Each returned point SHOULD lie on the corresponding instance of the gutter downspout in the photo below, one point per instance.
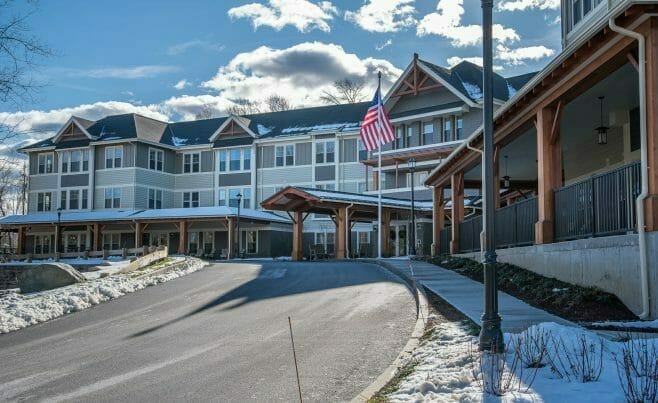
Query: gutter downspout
(639, 202)
(347, 231)
(470, 147)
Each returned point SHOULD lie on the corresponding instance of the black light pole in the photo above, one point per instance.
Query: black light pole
(412, 249)
(491, 336)
(239, 237)
(59, 231)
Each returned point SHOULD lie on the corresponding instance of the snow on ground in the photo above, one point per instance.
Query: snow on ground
(446, 363)
(18, 311)
(649, 324)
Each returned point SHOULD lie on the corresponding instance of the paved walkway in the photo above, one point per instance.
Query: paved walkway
(466, 295)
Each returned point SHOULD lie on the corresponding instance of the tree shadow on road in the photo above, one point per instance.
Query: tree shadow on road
(278, 279)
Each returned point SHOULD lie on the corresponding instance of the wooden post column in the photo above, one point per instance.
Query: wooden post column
(386, 232)
(139, 230)
(651, 203)
(231, 238)
(97, 237)
(375, 179)
(457, 189)
(20, 242)
(182, 237)
(549, 172)
(341, 226)
(297, 236)
(438, 218)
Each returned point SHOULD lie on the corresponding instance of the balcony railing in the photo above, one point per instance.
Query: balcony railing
(469, 234)
(515, 224)
(444, 241)
(601, 205)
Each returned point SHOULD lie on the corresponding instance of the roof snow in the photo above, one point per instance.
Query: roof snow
(262, 130)
(320, 128)
(473, 90)
(177, 141)
(510, 90)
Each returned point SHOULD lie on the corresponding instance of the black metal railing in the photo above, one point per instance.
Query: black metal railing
(601, 205)
(515, 224)
(469, 234)
(444, 240)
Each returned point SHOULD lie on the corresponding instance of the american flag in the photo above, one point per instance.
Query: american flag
(376, 126)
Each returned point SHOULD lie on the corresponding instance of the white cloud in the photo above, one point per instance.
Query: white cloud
(182, 84)
(383, 15)
(121, 72)
(447, 22)
(37, 125)
(183, 47)
(521, 5)
(517, 56)
(301, 14)
(384, 45)
(187, 106)
(300, 72)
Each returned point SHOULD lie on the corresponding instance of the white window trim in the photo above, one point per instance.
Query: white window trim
(190, 193)
(157, 150)
(123, 156)
(244, 245)
(242, 150)
(294, 154)
(53, 172)
(103, 189)
(227, 189)
(148, 198)
(191, 154)
(68, 191)
(52, 201)
(325, 142)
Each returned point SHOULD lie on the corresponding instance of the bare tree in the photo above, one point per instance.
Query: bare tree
(206, 112)
(344, 91)
(19, 54)
(243, 106)
(10, 185)
(277, 103)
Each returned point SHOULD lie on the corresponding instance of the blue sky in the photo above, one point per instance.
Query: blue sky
(168, 58)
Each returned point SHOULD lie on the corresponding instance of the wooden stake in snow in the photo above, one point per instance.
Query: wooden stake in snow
(294, 357)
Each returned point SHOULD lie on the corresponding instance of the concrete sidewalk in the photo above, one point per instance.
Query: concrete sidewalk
(467, 295)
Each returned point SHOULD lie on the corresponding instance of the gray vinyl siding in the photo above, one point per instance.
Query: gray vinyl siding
(141, 197)
(348, 150)
(267, 156)
(168, 199)
(238, 179)
(414, 139)
(207, 161)
(41, 182)
(75, 180)
(325, 136)
(178, 163)
(286, 176)
(351, 187)
(154, 179)
(303, 153)
(352, 171)
(424, 99)
(196, 181)
(205, 199)
(471, 120)
(33, 162)
(32, 202)
(114, 177)
(128, 155)
(325, 173)
(142, 157)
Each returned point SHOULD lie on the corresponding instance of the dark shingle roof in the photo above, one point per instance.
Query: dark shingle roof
(466, 78)
(193, 132)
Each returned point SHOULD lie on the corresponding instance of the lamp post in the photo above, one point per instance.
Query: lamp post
(59, 233)
(412, 249)
(238, 225)
(491, 336)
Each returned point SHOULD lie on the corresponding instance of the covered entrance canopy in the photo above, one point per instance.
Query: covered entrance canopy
(344, 209)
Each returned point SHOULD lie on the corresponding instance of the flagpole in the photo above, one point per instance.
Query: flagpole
(379, 176)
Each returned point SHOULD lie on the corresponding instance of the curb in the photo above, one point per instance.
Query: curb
(422, 312)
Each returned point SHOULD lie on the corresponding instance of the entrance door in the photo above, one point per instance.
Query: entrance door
(402, 239)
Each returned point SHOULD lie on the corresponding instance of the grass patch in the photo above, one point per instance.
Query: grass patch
(394, 384)
(569, 301)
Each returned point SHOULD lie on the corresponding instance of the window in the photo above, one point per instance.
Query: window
(580, 8)
(75, 161)
(460, 128)
(428, 133)
(447, 129)
(111, 241)
(229, 197)
(155, 199)
(250, 238)
(193, 242)
(222, 161)
(246, 198)
(112, 197)
(113, 157)
(278, 151)
(410, 135)
(85, 200)
(222, 198)
(234, 160)
(290, 155)
(45, 163)
(41, 244)
(190, 199)
(62, 200)
(43, 201)
(233, 197)
(325, 152)
(85, 160)
(156, 159)
(65, 162)
(363, 153)
(246, 159)
(398, 136)
(364, 238)
(73, 199)
(191, 162)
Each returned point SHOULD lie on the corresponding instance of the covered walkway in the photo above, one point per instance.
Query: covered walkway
(343, 208)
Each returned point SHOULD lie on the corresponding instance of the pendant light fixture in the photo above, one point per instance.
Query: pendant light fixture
(506, 178)
(602, 131)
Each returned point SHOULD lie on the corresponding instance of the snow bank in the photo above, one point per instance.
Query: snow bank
(445, 370)
(18, 311)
